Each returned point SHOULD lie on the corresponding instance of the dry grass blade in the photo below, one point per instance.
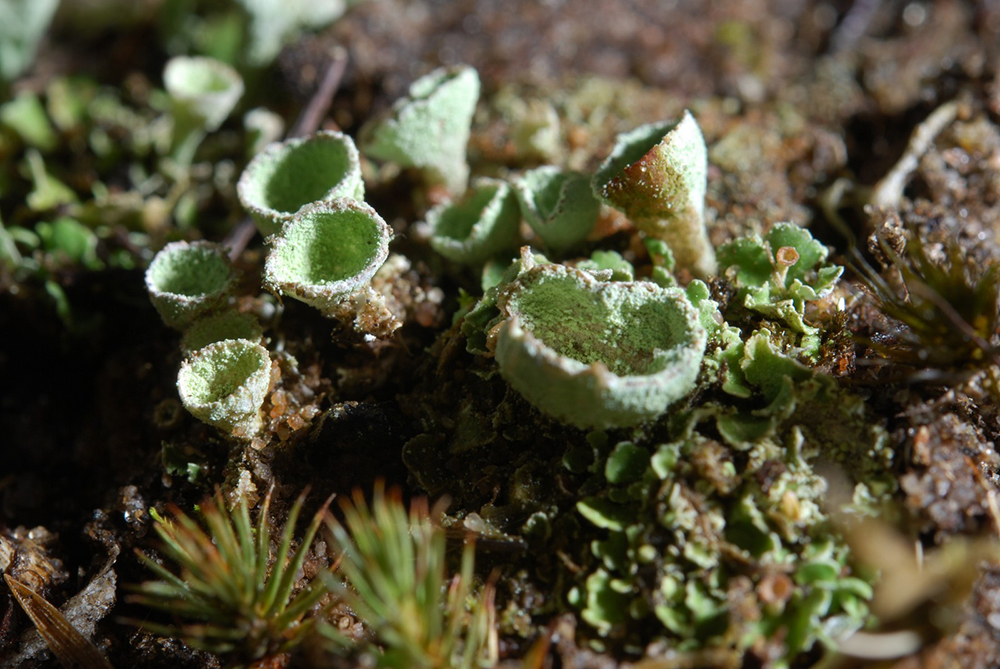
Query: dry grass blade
(71, 648)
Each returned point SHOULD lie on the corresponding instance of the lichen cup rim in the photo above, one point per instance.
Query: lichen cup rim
(324, 295)
(550, 222)
(590, 394)
(175, 83)
(179, 309)
(239, 408)
(494, 230)
(263, 167)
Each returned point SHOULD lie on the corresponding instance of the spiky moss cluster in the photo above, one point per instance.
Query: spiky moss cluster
(230, 597)
(595, 353)
(188, 279)
(286, 177)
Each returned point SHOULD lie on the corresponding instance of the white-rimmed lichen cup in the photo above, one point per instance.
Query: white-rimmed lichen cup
(479, 225)
(429, 130)
(203, 92)
(327, 255)
(188, 279)
(224, 384)
(658, 175)
(597, 354)
(558, 205)
(287, 177)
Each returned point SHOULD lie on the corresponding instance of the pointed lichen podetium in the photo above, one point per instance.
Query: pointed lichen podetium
(203, 92)
(429, 130)
(479, 225)
(326, 257)
(288, 176)
(658, 175)
(188, 279)
(594, 353)
(558, 205)
(224, 384)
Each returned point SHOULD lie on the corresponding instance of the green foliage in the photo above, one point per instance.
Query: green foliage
(394, 570)
(232, 600)
(776, 276)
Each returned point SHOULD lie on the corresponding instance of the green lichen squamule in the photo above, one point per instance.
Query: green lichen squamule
(287, 177)
(188, 279)
(593, 353)
(224, 384)
(658, 175)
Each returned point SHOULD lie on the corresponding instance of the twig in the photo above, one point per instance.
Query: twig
(306, 124)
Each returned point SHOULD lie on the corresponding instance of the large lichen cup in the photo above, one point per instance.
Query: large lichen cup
(558, 205)
(288, 176)
(224, 384)
(477, 226)
(429, 130)
(597, 354)
(326, 256)
(188, 279)
(203, 92)
(658, 175)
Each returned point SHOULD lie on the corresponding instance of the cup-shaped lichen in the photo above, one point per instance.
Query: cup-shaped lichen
(328, 253)
(224, 384)
(597, 354)
(288, 176)
(226, 324)
(187, 279)
(479, 225)
(658, 175)
(429, 130)
(558, 205)
(203, 92)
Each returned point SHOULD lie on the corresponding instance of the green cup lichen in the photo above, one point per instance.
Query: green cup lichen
(429, 130)
(203, 92)
(228, 324)
(188, 279)
(594, 353)
(480, 225)
(288, 176)
(558, 205)
(658, 175)
(224, 385)
(327, 255)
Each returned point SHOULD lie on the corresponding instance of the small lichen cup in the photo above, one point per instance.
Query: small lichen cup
(327, 255)
(287, 177)
(219, 326)
(658, 175)
(597, 354)
(188, 279)
(477, 226)
(224, 384)
(558, 205)
(429, 130)
(203, 92)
